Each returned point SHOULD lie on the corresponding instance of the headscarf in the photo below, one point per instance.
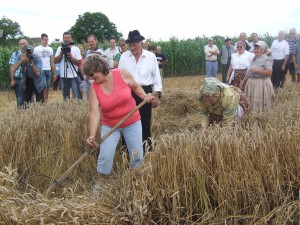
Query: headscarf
(212, 87)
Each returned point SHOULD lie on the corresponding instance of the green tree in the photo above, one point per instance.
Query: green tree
(94, 23)
(11, 31)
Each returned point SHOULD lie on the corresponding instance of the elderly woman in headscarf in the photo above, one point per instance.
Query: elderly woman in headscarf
(220, 103)
(259, 89)
(239, 64)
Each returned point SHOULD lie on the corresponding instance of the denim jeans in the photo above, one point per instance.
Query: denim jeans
(211, 68)
(73, 83)
(47, 75)
(20, 93)
(133, 138)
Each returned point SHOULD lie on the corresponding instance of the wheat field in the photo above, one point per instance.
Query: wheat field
(248, 174)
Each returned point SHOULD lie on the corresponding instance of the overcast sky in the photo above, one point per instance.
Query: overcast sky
(158, 19)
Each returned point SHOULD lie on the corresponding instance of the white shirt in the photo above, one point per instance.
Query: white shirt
(241, 61)
(279, 49)
(75, 51)
(208, 55)
(145, 71)
(110, 53)
(45, 53)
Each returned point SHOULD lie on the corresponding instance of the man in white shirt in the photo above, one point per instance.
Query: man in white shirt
(69, 57)
(280, 54)
(111, 52)
(46, 53)
(142, 64)
(211, 57)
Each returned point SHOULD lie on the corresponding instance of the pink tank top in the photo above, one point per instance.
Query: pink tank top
(115, 106)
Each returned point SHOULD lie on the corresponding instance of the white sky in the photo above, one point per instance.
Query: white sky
(158, 19)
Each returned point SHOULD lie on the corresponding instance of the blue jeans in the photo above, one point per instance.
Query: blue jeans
(133, 138)
(211, 68)
(47, 75)
(20, 92)
(67, 83)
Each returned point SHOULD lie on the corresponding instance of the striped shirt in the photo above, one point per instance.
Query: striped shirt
(292, 44)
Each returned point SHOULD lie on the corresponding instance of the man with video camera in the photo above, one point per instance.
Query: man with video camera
(68, 56)
(31, 66)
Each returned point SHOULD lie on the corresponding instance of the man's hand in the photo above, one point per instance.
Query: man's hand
(12, 83)
(155, 101)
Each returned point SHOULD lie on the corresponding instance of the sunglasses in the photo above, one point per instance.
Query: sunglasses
(239, 47)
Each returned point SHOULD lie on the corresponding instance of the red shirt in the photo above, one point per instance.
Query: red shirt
(115, 106)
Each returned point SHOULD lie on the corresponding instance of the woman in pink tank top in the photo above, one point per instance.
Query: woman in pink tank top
(111, 100)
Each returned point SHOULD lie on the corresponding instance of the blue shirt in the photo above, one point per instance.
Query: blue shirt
(12, 60)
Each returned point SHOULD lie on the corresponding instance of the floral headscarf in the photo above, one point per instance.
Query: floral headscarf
(212, 87)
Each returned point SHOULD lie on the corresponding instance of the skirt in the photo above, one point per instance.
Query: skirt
(260, 94)
(239, 75)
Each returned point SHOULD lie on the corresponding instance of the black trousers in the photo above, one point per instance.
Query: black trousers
(30, 90)
(146, 115)
(56, 83)
(278, 76)
(225, 68)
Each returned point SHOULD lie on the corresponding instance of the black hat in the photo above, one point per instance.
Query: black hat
(134, 36)
(227, 39)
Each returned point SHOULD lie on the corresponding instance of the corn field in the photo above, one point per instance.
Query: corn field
(247, 174)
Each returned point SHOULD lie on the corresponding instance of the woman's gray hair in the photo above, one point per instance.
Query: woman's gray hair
(95, 63)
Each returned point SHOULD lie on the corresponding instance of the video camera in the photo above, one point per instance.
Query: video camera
(29, 53)
(65, 47)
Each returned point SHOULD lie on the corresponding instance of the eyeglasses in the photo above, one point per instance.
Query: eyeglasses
(239, 47)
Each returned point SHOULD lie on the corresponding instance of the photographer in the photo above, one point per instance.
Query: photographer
(31, 67)
(16, 77)
(69, 57)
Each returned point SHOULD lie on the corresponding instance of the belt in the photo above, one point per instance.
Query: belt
(145, 86)
(18, 78)
(211, 61)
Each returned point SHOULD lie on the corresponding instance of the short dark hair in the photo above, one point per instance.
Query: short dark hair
(112, 38)
(43, 35)
(67, 33)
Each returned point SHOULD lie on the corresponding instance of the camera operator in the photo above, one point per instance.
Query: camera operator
(69, 58)
(16, 77)
(31, 67)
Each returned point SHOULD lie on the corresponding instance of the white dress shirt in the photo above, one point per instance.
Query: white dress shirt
(145, 71)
